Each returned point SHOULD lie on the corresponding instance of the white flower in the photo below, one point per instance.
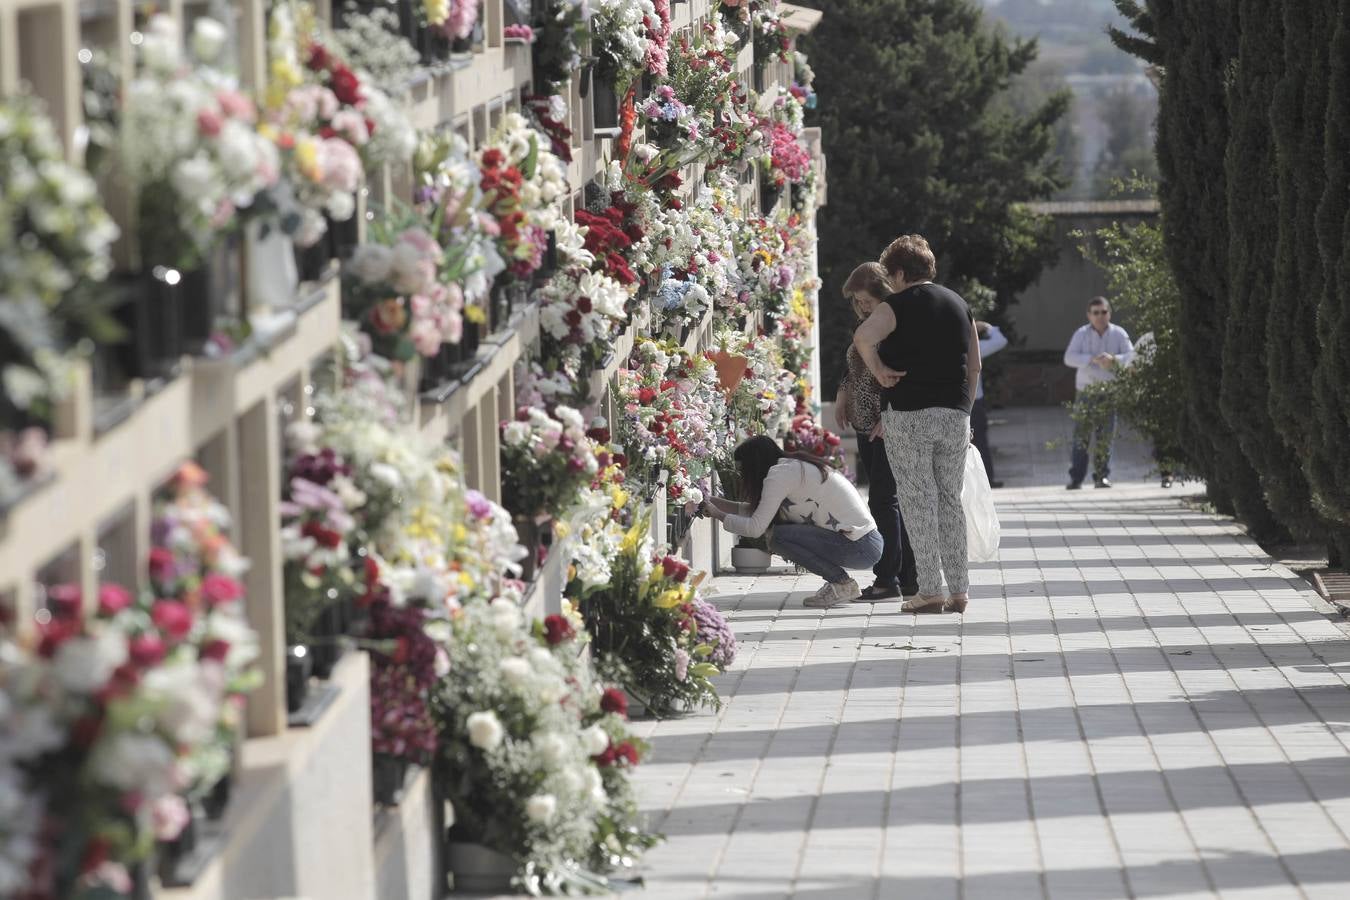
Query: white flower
(515, 670)
(485, 730)
(516, 434)
(595, 739)
(552, 748)
(389, 475)
(505, 616)
(371, 262)
(541, 807)
(170, 816)
(160, 45)
(134, 762)
(187, 708)
(84, 664)
(595, 785)
(208, 39)
(341, 205)
(569, 417)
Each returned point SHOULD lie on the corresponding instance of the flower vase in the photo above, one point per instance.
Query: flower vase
(207, 291)
(388, 775)
(477, 868)
(169, 855)
(270, 267)
(768, 196)
(327, 649)
(312, 261)
(434, 370)
(468, 348)
(217, 800)
(535, 534)
(298, 669)
(343, 237)
(604, 103)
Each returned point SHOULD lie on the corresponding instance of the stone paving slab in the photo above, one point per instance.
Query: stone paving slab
(1138, 703)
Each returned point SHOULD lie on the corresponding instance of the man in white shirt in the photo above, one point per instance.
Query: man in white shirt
(992, 340)
(1096, 351)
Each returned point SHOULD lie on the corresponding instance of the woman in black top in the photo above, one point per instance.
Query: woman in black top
(922, 347)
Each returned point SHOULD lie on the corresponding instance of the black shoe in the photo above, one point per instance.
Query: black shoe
(1167, 482)
(1101, 482)
(1074, 486)
(996, 484)
(877, 592)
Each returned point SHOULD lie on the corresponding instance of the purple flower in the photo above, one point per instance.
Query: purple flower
(479, 506)
(713, 629)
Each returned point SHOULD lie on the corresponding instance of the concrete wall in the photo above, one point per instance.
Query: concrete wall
(1045, 316)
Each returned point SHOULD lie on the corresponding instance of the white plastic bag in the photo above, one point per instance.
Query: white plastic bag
(977, 499)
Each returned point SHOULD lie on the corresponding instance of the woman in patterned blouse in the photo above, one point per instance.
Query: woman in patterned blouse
(858, 406)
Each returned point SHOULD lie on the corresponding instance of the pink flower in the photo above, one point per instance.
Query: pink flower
(236, 105)
(172, 617)
(170, 816)
(146, 650)
(422, 241)
(209, 122)
(352, 125)
(112, 599)
(681, 664)
(219, 589)
(340, 164)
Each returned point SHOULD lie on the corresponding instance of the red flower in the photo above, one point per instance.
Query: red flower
(172, 618)
(674, 568)
(324, 536)
(558, 630)
(112, 599)
(345, 85)
(319, 58)
(626, 753)
(572, 318)
(493, 158)
(146, 650)
(584, 304)
(614, 701)
(218, 589)
(55, 633)
(95, 854)
(215, 650)
(599, 434)
(646, 395)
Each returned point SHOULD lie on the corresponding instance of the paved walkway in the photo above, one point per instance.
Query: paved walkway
(1137, 703)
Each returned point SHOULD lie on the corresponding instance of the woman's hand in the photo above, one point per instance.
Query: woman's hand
(712, 510)
(841, 411)
(886, 376)
(876, 434)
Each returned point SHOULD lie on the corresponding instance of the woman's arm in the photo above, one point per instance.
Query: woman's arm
(727, 507)
(771, 498)
(878, 326)
(973, 362)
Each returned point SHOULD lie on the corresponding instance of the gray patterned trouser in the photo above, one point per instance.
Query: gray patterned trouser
(927, 450)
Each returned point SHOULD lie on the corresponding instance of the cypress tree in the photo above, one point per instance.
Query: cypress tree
(1195, 45)
(1327, 470)
(1253, 224)
(1298, 121)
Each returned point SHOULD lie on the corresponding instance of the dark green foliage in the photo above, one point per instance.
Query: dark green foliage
(1254, 223)
(1327, 469)
(1196, 45)
(917, 143)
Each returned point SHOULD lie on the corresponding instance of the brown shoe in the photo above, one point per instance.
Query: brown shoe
(956, 603)
(923, 603)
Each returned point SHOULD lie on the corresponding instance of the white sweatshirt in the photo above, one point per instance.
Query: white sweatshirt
(793, 494)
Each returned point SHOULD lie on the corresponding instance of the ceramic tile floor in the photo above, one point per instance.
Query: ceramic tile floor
(1138, 703)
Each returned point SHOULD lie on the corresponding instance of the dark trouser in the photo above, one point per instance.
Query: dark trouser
(896, 567)
(1098, 429)
(979, 423)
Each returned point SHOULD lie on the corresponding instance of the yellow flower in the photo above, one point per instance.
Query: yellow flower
(461, 533)
(475, 314)
(307, 159)
(670, 599)
(619, 497)
(466, 579)
(560, 530)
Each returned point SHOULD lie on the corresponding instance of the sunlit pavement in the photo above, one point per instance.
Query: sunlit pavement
(1138, 702)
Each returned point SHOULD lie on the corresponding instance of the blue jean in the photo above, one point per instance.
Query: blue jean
(1101, 434)
(824, 552)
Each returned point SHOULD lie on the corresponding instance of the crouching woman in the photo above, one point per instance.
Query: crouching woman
(817, 517)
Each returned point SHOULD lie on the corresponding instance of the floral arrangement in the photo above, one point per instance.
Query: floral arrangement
(764, 400)
(401, 286)
(523, 187)
(519, 32)
(796, 341)
(546, 459)
(771, 40)
(767, 266)
(694, 244)
(370, 40)
(580, 309)
(643, 627)
(803, 80)
(189, 145)
(787, 160)
(405, 665)
(55, 237)
(630, 38)
(454, 18)
(805, 435)
(536, 757)
(669, 121)
(450, 199)
(673, 417)
(550, 114)
(715, 631)
(560, 28)
(610, 236)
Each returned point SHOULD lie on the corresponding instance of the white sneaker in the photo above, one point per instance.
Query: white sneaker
(832, 595)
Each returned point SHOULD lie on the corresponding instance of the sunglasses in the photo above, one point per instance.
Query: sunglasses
(1101, 312)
